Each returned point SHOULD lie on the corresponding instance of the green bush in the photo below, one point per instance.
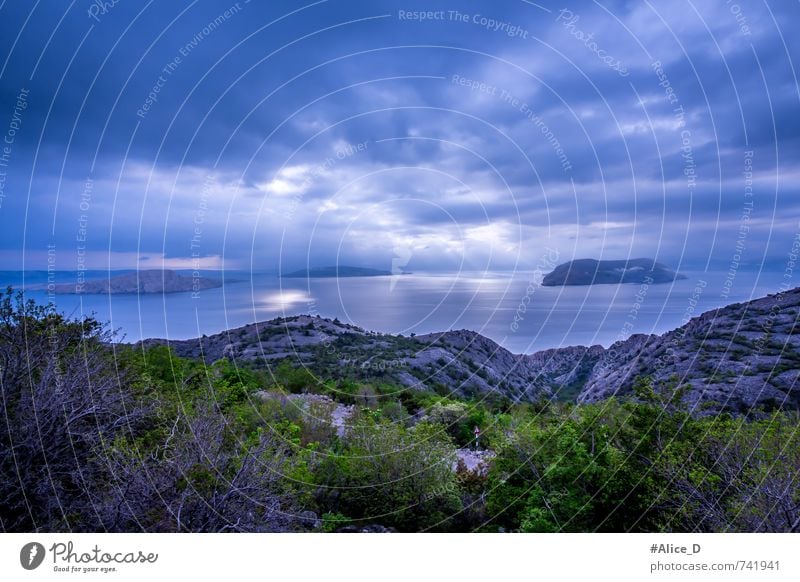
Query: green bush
(391, 475)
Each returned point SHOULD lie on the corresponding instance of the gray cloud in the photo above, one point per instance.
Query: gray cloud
(478, 147)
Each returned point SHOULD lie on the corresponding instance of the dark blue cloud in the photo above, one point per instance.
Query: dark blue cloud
(490, 132)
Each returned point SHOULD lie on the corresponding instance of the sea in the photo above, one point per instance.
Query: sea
(512, 309)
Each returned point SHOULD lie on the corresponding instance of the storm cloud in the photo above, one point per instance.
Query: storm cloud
(453, 135)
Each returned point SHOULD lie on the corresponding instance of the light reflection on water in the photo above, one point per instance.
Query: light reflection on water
(486, 303)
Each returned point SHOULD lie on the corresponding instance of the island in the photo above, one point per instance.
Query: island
(147, 281)
(335, 271)
(594, 272)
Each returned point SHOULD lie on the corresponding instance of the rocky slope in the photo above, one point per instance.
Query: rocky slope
(462, 363)
(733, 358)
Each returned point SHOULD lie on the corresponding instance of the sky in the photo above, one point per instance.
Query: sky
(423, 136)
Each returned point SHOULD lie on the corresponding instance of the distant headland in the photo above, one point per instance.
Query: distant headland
(147, 281)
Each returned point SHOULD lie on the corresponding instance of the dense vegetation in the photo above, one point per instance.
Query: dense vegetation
(97, 436)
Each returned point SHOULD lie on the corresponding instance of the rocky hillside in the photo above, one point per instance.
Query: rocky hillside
(733, 358)
(462, 363)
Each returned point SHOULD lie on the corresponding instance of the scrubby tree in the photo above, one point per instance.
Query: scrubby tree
(736, 476)
(391, 475)
(63, 402)
(202, 478)
(564, 472)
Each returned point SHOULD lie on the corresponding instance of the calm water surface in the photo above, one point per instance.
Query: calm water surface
(484, 302)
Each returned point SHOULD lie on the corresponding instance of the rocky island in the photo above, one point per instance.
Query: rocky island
(594, 272)
(147, 281)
